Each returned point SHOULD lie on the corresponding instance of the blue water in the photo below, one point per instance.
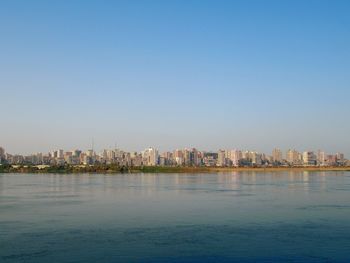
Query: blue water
(231, 217)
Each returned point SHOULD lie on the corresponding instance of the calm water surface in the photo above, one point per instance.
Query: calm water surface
(231, 217)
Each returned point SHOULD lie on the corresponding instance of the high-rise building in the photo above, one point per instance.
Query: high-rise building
(340, 157)
(2, 152)
(321, 158)
(168, 158)
(292, 157)
(309, 158)
(276, 155)
(76, 153)
(150, 156)
(195, 157)
(221, 158)
(235, 156)
(90, 153)
(178, 157)
(89, 157)
(136, 159)
(187, 157)
(60, 154)
(255, 158)
(331, 159)
(53, 154)
(210, 158)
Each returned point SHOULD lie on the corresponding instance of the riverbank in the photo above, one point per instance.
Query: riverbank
(234, 169)
(113, 169)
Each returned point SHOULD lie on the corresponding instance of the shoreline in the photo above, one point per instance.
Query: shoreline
(242, 169)
(111, 169)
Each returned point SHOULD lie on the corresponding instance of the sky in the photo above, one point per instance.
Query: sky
(172, 74)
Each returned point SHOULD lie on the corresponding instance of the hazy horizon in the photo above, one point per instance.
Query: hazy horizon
(173, 74)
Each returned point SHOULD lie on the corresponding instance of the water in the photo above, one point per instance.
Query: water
(231, 217)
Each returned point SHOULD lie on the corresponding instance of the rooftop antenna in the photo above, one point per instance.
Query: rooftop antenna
(92, 144)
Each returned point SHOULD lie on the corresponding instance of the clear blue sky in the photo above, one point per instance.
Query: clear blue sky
(169, 74)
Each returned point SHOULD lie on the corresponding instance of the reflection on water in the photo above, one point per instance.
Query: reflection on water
(224, 217)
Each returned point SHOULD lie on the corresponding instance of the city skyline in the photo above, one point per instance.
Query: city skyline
(177, 157)
(98, 149)
(170, 74)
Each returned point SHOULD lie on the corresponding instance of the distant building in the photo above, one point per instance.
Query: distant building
(210, 158)
(186, 157)
(221, 158)
(136, 159)
(60, 154)
(331, 160)
(2, 155)
(256, 158)
(276, 155)
(178, 157)
(340, 158)
(235, 156)
(321, 158)
(53, 154)
(2, 152)
(293, 157)
(162, 161)
(309, 158)
(194, 156)
(77, 153)
(150, 157)
(90, 153)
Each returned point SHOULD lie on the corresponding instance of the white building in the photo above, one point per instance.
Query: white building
(293, 157)
(150, 157)
(235, 157)
(321, 158)
(309, 158)
(276, 155)
(221, 158)
(340, 157)
(60, 154)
